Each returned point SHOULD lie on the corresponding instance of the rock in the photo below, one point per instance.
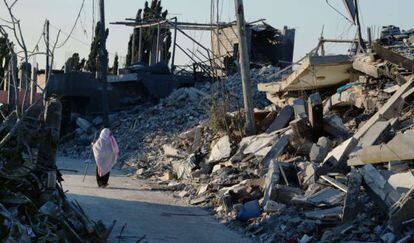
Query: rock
(168, 176)
(183, 194)
(202, 189)
(216, 168)
(184, 168)
(282, 120)
(220, 151)
(273, 207)
(83, 124)
(169, 151)
(97, 121)
(320, 150)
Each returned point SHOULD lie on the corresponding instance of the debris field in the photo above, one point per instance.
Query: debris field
(331, 160)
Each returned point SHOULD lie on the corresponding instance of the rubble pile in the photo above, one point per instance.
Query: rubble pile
(33, 205)
(142, 131)
(321, 169)
(31, 213)
(401, 42)
(328, 163)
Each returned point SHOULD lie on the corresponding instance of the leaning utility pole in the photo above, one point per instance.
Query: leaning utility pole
(358, 23)
(245, 68)
(103, 56)
(47, 69)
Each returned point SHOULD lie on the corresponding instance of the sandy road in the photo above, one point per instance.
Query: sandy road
(156, 215)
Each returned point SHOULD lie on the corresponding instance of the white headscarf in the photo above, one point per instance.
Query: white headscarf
(106, 152)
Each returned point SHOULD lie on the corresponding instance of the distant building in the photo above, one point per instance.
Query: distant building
(266, 45)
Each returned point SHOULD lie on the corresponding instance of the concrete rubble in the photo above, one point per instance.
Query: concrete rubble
(33, 203)
(332, 162)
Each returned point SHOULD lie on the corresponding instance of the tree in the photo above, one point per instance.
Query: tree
(92, 64)
(4, 56)
(151, 13)
(74, 63)
(116, 65)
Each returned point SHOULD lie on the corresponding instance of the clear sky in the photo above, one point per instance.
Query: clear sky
(307, 16)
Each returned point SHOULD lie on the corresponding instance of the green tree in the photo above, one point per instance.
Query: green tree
(74, 63)
(92, 64)
(151, 13)
(116, 65)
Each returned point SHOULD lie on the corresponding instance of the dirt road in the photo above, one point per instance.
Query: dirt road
(157, 216)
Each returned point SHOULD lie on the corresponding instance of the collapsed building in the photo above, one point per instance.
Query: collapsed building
(331, 161)
(266, 46)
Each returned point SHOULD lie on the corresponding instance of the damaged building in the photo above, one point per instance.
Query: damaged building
(266, 45)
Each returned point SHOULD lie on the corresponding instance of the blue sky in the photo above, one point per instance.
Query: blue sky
(307, 16)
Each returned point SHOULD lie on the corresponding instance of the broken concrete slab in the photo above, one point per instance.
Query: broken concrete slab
(378, 188)
(198, 200)
(315, 72)
(334, 126)
(273, 207)
(315, 110)
(285, 194)
(391, 109)
(301, 131)
(399, 148)
(403, 182)
(300, 108)
(257, 143)
(330, 214)
(375, 133)
(183, 168)
(282, 120)
(202, 189)
(365, 63)
(351, 204)
(170, 151)
(340, 153)
(221, 150)
(328, 196)
(277, 149)
(83, 124)
(272, 178)
(320, 150)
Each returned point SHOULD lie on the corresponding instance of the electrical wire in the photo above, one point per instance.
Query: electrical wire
(74, 26)
(336, 10)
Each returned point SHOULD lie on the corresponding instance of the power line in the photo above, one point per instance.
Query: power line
(336, 10)
(74, 26)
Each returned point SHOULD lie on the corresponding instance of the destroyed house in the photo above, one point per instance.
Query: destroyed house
(266, 44)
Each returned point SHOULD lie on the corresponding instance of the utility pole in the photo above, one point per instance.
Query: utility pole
(103, 56)
(245, 68)
(360, 39)
(174, 46)
(140, 45)
(47, 69)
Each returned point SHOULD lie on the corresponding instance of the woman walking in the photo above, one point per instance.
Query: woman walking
(106, 153)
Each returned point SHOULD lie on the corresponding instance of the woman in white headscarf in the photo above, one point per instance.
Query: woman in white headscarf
(106, 153)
